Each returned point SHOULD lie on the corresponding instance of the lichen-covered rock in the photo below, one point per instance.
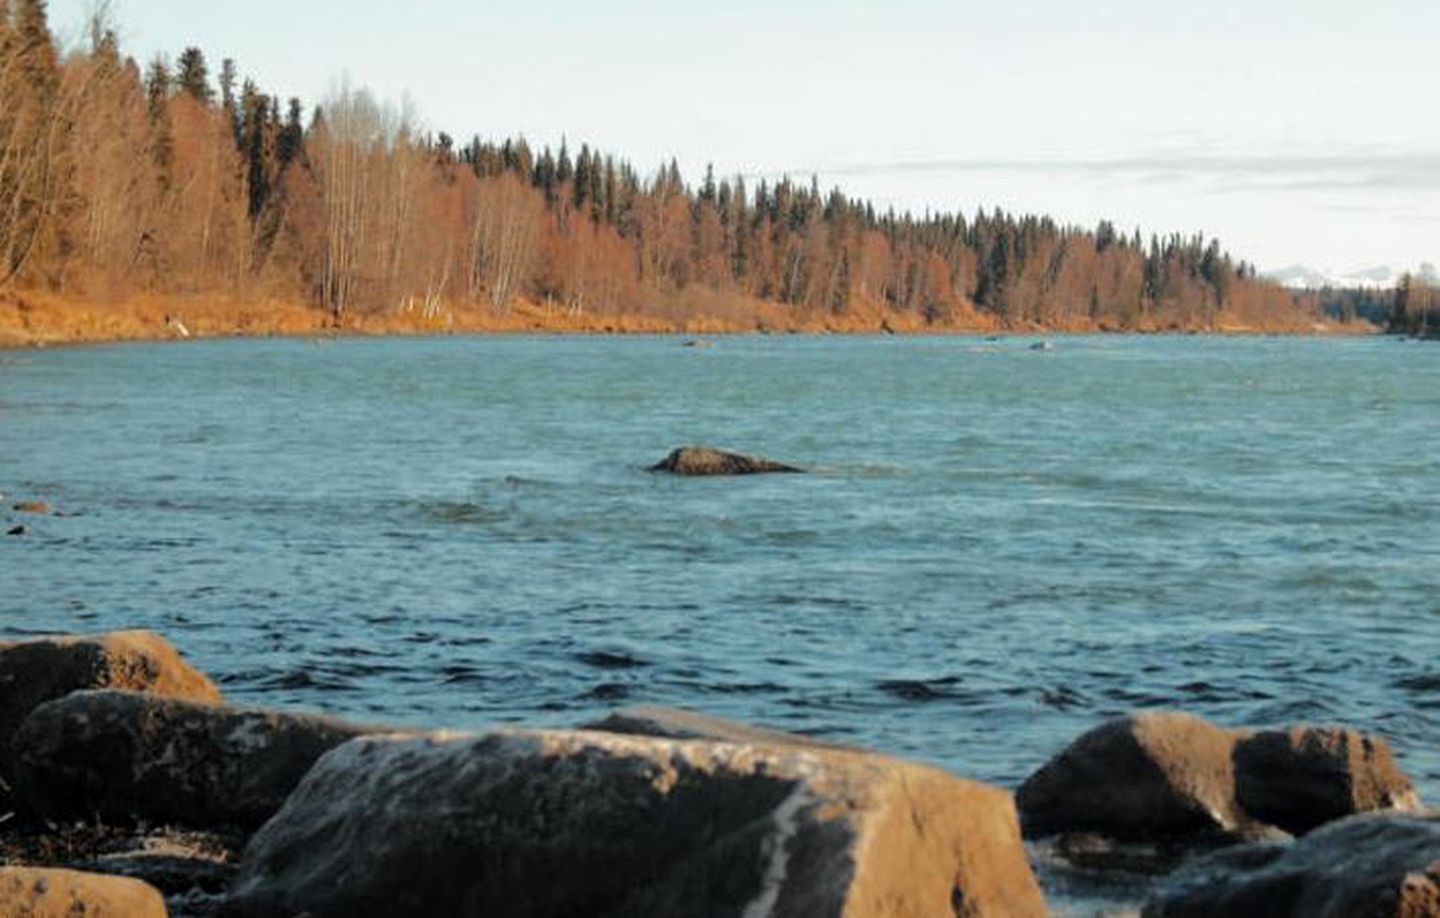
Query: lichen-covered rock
(1304, 777)
(531, 823)
(676, 723)
(1155, 773)
(127, 756)
(27, 892)
(701, 460)
(1362, 867)
(36, 671)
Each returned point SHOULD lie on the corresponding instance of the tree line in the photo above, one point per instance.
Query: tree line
(172, 179)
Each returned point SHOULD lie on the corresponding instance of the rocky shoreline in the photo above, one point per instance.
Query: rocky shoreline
(132, 788)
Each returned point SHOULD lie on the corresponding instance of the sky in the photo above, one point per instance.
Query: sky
(1296, 131)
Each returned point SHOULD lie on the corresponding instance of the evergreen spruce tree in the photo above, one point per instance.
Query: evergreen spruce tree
(193, 76)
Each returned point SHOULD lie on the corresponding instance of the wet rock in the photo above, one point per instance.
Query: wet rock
(37, 671)
(33, 507)
(1362, 866)
(568, 823)
(674, 723)
(1151, 774)
(27, 892)
(1304, 777)
(126, 756)
(16, 531)
(701, 460)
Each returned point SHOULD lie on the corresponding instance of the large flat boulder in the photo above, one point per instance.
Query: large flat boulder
(129, 756)
(552, 823)
(1155, 773)
(702, 460)
(1374, 866)
(27, 892)
(1303, 777)
(36, 671)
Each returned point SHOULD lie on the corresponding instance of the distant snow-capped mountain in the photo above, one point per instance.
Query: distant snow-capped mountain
(1381, 277)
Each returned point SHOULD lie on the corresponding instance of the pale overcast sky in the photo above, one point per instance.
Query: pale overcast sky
(1295, 130)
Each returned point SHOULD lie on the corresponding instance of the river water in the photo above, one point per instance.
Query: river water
(996, 547)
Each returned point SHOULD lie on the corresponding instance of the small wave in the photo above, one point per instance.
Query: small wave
(604, 659)
(461, 513)
(920, 689)
(1423, 684)
(607, 691)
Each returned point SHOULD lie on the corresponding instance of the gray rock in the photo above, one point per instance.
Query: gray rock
(701, 460)
(1304, 777)
(1368, 866)
(126, 756)
(532, 823)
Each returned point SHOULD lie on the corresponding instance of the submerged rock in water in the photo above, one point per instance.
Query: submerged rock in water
(1362, 866)
(28, 892)
(1155, 773)
(130, 757)
(37, 671)
(526, 823)
(701, 460)
(1304, 777)
(675, 723)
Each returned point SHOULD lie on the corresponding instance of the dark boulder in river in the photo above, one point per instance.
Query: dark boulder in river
(1304, 777)
(528, 823)
(1163, 774)
(702, 460)
(37, 671)
(1155, 773)
(130, 757)
(1369, 866)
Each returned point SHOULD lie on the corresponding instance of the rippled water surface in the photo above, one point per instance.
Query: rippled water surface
(997, 546)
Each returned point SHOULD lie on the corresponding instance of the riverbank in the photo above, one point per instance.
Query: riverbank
(132, 785)
(45, 320)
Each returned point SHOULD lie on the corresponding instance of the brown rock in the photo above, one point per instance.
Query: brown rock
(1370, 866)
(1155, 773)
(701, 460)
(126, 756)
(674, 723)
(33, 672)
(34, 507)
(27, 892)
(526, 823)
(1304, 777)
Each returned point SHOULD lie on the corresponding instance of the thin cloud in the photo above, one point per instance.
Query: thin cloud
(1380, 172)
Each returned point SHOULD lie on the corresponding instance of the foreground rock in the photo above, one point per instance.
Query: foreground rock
(675, 723)
(700, 460)
(1372, 866)
(1152, 773)
(1160, 774)
(33, 672)
(32, 893)
(1304, 777)
(525, 823)
(126, 756)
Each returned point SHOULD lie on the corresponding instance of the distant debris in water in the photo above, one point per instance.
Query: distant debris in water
(1042, 346)
(33, 507)
(702, 460)
(16, 531)
(699, 344)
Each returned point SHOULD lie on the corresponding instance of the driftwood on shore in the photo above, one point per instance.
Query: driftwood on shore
(653, 811)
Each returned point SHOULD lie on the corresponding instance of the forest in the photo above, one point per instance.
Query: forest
(120, 181)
